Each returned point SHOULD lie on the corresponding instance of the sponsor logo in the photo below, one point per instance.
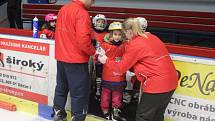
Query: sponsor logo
(23, 62)
(205, 83)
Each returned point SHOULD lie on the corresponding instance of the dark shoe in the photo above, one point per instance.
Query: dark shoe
(116, 115)
(59, 115)
(126, 97)
(106, 116)
(97, 98)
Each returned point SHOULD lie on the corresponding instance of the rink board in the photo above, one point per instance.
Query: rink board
(28, 72)
(194, 99)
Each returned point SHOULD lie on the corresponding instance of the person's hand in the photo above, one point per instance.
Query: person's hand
(43, 36)
(130, 73)
(102, 59)
(100, 51)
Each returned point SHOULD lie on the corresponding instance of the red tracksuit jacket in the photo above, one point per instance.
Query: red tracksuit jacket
(114, 53)
(99, 36)
(151, 63)
(73, 34)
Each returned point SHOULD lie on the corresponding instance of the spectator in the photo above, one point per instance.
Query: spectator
(14, 13)
(152, 65)
(73, 48)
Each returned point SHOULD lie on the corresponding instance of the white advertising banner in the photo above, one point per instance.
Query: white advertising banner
(194, 99)
(24, 68)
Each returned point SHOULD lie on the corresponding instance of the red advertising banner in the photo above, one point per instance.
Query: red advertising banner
(23, 94)
(25, 46)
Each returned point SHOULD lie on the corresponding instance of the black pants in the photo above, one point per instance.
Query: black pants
(14, 14)
(73, 78)
(99, 68)
(152, 106)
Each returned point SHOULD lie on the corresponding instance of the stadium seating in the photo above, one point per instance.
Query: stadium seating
(172, 26)
(188, 20)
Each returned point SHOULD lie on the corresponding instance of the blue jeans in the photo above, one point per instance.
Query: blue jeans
(73, 77)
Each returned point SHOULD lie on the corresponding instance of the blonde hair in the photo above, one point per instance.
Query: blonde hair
(134, 25)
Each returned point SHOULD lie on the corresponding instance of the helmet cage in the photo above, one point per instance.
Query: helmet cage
(143, 22)
(99, 22)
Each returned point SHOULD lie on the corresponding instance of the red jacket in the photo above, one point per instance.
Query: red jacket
(114, 53)
(73, 34)
(151, 63)
(99, 36)
(49, 34)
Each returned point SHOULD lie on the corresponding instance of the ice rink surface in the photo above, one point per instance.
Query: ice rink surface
(6, 115)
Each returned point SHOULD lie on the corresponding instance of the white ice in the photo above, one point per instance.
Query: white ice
(6, 115)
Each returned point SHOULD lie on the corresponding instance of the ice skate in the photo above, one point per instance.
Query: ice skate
(115, 115)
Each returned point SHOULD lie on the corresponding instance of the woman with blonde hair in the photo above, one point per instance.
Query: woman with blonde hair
(151, 63)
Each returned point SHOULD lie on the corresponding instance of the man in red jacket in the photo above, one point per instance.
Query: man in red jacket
(73, 48)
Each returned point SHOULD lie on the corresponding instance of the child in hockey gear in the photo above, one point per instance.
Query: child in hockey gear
(99, 31)
(113, 84)
(48, 29)
(99, 28)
